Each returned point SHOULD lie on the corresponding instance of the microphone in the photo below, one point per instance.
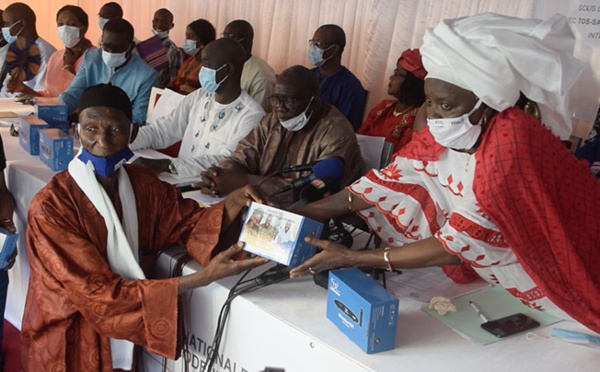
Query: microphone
(316, 190)
(298, 168)
(330, 167)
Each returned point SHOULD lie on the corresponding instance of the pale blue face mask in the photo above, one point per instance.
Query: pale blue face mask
(189, 46)
(161, 34)
(102, 22)
(208, 78)
(7, 35)
(315, 55)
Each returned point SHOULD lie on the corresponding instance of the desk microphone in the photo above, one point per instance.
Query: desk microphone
(316, 190)
(298, 168)
(330, 167)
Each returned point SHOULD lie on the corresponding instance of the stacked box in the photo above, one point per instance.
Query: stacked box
(279, 235)
(54, 114)
(29, 133)
(56, 148)
(8, 244)
(362, 309)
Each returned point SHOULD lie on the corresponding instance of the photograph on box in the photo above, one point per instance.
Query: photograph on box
(278, 235)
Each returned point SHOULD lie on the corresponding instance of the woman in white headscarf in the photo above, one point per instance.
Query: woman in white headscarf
(486, 184)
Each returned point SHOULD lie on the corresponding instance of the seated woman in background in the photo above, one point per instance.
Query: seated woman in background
(394, 119)
(72, 23)
(197, 35)
(486, 184)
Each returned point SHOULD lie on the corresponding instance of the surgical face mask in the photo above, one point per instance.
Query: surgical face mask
(161, 34)
(208, 78)
(105, 167)
(102, 22)
(6, 33)
(297, 122)
(456, 133)
(114, 60)
(69, 35)
(189, 46)
(315, 55)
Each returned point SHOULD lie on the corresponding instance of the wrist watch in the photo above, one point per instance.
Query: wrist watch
(172, 168)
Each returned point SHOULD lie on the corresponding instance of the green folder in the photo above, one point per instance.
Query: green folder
(494, 303)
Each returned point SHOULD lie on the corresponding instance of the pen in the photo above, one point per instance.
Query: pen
(478, 311)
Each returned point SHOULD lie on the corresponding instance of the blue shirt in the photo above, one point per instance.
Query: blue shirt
(136, 78)
(343, 90)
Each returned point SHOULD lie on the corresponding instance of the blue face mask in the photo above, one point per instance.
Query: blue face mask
(208, 78)
(6, 33)
(104, 167)
(189, 46)
(315, 55)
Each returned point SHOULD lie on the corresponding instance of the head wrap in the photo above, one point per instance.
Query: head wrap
(106, 95)
(496, 56)
(410, 60)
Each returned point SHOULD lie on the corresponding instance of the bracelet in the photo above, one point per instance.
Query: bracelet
(66, 67)
(349, 200)
(386, 258)
(6, 220)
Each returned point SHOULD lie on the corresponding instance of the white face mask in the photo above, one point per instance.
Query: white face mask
(69, 35)
(297, 122)
(161, 34)
(114, 60)
(456, 133)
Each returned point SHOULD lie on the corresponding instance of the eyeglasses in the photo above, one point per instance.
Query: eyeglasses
(232, 36)
(398, 74)
(318, 44)
(287, 101)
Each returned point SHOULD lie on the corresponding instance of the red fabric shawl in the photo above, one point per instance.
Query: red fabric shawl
(546, 204)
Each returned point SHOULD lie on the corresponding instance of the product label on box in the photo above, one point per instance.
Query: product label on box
(278, 235)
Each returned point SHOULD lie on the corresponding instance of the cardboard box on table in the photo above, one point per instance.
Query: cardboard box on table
(279, 235)
(29, 133)
(362, 309)
(56, 148)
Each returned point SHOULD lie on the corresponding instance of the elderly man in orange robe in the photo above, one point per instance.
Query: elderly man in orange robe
(93, 234)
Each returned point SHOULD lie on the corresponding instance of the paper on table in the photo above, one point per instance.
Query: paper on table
(167, 177)
(495, 303)
(425, 283)
(166, 103)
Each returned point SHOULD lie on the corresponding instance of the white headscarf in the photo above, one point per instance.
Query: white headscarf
(496, 56)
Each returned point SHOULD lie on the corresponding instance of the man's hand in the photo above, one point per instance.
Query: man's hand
(11, 260)
(157, 165)
(221, 266)
(333, 256)
(218, 181)
(237, 201)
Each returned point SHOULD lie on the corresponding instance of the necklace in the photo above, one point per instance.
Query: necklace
(468, 159)
(396, 114)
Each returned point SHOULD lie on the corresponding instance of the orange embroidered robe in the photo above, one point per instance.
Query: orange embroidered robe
(75, 303)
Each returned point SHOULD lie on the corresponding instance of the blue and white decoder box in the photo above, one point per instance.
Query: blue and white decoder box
(362, 309)
(52, 112)
(29, 133)
(56, 148)
(279, 235)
